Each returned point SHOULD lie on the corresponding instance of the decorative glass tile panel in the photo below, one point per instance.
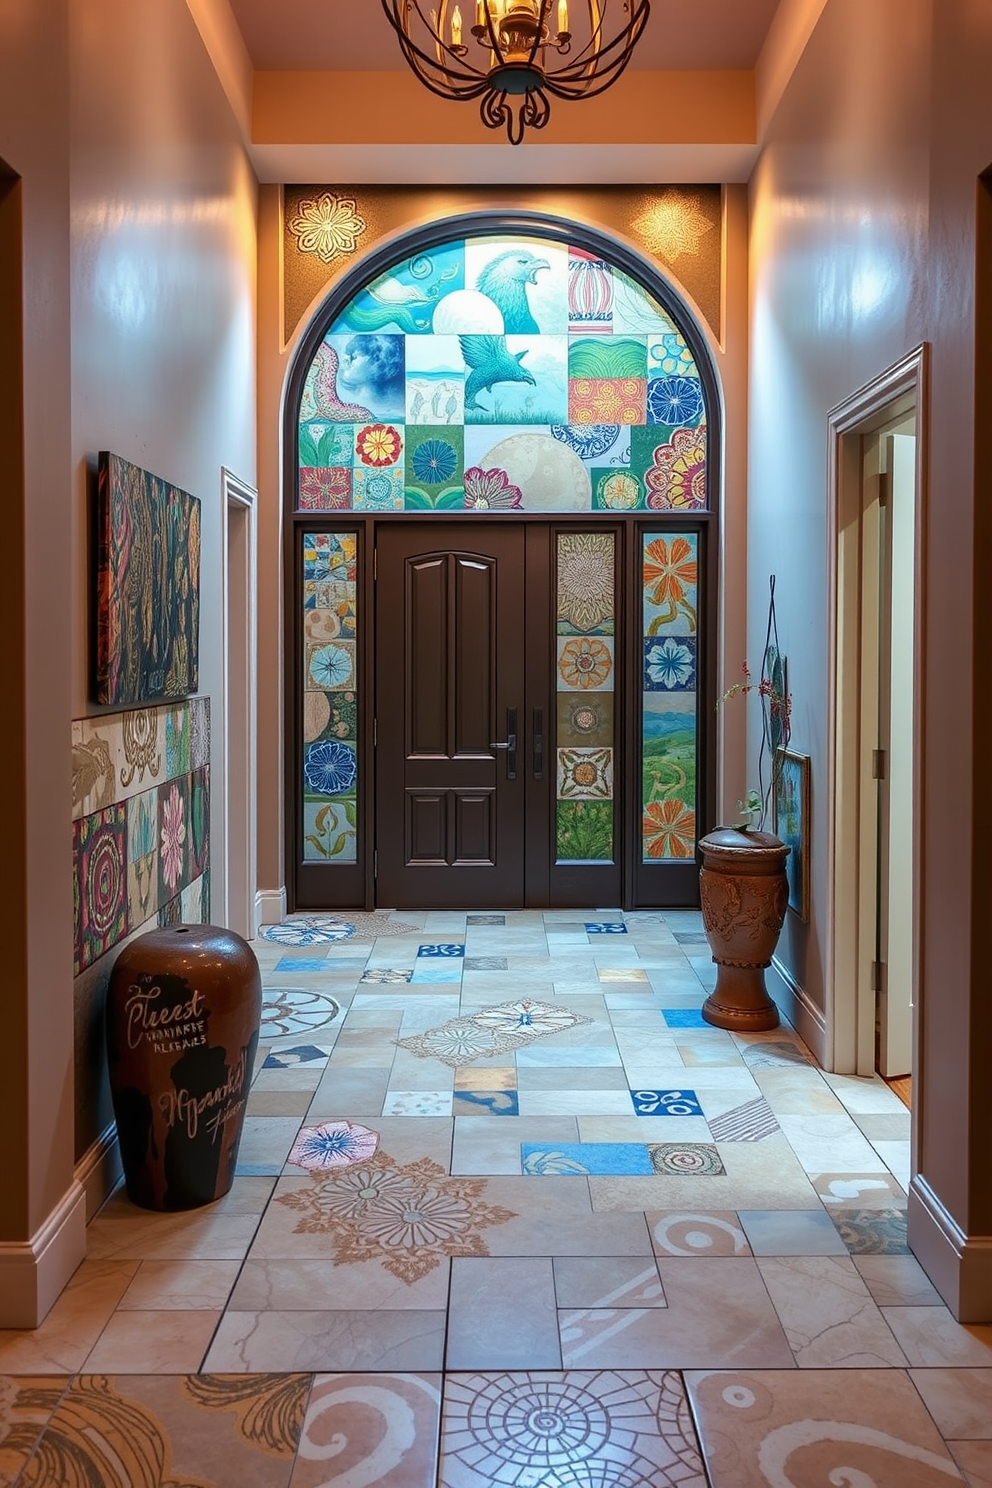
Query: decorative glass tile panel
(330, 695)
(502, 374)
(670, 681)
(585, 590)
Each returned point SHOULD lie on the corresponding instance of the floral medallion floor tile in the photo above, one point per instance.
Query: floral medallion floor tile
(492, 1030)
(289, 1010)
(407, 1216)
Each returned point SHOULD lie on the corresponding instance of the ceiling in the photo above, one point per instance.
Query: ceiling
(354, 35)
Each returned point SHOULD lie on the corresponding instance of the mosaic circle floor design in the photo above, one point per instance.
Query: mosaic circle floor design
(321, 929)
(545, 1423)
(291, 1010)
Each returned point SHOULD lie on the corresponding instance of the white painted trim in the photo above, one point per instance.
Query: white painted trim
(34, 1272)
(270, 907)
(99, 1169)
(959, 1265)
(796, 1005)
(238, 494)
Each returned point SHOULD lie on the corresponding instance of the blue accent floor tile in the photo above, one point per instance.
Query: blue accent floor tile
(436, 971)
(685, 1018)
(258, 1170)
(441, 950)
(666, 1103)
(299, 1054)
(485, 1103)
(576, 1159)
(303, 963)
(605, 927)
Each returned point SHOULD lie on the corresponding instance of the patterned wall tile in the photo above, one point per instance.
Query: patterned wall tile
(101, 918)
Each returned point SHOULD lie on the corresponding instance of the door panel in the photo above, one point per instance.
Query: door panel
(449, 673)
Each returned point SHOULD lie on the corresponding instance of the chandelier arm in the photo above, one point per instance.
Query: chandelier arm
(626, 39)
(414, 54)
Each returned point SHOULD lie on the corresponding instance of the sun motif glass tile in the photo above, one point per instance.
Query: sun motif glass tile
(407, 1216)
(585, 583)
(666, 1103)
(686, 1159)
(493, 1030)
(585, 774)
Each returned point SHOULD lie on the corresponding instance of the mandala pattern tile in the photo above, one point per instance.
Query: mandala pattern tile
(686, 1159)
(872, 1231)
(485, 1103)
(590, 1429)
(585, 774)
(666, 1103)
(376, 1430)
(490, 1031)
(101, 899)
(409, 1217)
(304, 932)
(751, 1122)
(585, 585)
(335, 1144)
(289, 1010)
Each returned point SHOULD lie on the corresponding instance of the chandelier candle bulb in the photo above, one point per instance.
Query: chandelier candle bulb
(562, 17)
(456, 27)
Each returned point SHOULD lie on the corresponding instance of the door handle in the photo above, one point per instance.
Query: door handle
(538, 731)
(509, 744)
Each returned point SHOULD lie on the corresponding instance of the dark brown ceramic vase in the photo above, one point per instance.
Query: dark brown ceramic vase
(744, 894)
(183, 1013)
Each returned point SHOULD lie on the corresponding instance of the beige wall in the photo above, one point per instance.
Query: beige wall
(727, 343)
(863, 246)
(139, 304)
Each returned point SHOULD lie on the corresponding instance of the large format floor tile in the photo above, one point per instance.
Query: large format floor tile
(497, 1160)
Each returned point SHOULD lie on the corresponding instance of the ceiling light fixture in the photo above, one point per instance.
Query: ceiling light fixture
(517, 52)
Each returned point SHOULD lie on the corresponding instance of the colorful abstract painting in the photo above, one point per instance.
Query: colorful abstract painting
(585, 606)
(502, 374)
(147, 586)
(330, 678)
(670, 576)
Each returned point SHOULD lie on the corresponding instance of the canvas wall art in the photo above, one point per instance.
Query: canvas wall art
(147, 586)
(790, 821)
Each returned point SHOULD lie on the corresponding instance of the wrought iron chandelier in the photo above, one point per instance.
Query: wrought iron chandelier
(517, 52)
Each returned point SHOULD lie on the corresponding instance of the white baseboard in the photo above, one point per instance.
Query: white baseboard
(99, 1170)
(959, 1265)
(34, 1272)
(270, 907)
(794, 1003)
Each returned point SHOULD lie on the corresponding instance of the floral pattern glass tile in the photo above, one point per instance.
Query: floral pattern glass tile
(670, 576)
(495, 375)
(585, 609)
(330, 682)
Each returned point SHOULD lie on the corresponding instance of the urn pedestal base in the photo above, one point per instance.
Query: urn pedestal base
(744, 894)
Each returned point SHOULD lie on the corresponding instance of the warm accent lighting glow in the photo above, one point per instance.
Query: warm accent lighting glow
(515, 56)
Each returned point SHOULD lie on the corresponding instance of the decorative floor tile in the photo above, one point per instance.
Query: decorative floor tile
(872, 1231)
(308, 930)
(302, 963)
(622, 974)
(690, 937)
(485, 963)
(491, 1030)
(685, 1018)
(289, 1010)
(407, 1216)
(353, 1422)
(666, 1103)
(384, 975)
(582, 1158)
(485, 1103)
(779, 1051)
(686, 1159)
(430, 971)
(604, 927)
(591, 1429)
(687, 1234)
(860, 1190)
(474, 1079)
(485, 919)
(751, 1122)
(441, 949)
(817, 1427)
(607, 1281)
(26, 1406)
(299, 1054)
(417, 1103)
(336, 1144)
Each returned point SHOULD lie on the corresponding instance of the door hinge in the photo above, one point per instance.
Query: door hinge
(884, 487)
(878, 969)
(878, 764)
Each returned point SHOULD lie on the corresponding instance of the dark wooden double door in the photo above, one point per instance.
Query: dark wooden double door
(465, 720)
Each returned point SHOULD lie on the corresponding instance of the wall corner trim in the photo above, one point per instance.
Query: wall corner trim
(34, 1272)
(959, 1265)
(270, 907)
(796, 1005)
(99, 1169)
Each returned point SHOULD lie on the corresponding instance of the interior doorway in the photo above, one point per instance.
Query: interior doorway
(879, 439)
